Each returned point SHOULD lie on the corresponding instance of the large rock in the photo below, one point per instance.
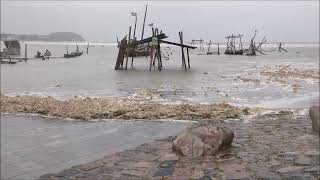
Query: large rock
(203, 139)
(315, 118)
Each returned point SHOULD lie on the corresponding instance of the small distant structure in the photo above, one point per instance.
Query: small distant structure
(73, 54)
(12, 51)
(280, 49)
(232, 48)
(12, 48)
(253, 48)
(212, 52)
(198, 41)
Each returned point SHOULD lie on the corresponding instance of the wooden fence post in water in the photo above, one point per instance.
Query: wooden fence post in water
(182, 51)
(127, 49)
(152, 48)
(122, 49)
(25, 51)
(188, 58)
(88, 48)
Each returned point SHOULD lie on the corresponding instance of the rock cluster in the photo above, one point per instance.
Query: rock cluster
(203, 139)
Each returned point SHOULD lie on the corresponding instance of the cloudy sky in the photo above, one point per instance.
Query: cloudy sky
(103, 21)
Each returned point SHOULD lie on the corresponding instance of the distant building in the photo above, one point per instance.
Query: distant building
(12, 47)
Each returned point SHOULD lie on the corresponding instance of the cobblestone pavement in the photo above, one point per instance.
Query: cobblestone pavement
(32, 146)
(273, 146)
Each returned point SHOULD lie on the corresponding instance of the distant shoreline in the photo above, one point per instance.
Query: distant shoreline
(52, 37)
(85, 43)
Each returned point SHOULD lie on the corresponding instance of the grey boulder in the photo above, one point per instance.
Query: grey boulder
(203, 139)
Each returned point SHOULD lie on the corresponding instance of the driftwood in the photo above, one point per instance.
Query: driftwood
(281, 48)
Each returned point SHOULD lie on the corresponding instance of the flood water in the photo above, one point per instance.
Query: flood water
(211, 79)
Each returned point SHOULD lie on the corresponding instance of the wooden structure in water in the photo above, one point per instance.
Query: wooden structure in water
(212, 52)
(154, 50)
(232, 47)
(196, 41)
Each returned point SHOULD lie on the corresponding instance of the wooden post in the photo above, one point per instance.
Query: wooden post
(135, 26)
(152, 48)
(188, 58)
(88, 48)
(25, 51)
(122, 49)
(160, 60)
(144, 21)
(127, 49)
(218, 49)
(183, 58)
(241, 45)
(227, 50)
(234, 44)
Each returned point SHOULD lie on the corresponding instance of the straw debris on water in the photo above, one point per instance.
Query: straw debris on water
(116, 108)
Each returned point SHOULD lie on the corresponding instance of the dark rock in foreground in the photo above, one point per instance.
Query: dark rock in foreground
(203, 139)
(315, 118)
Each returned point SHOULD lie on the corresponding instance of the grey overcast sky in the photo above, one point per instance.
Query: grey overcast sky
(103, 21)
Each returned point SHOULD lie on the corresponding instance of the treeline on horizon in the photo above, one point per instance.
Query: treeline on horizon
(56, 36)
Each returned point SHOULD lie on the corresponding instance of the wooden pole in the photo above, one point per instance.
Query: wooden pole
(25, 51)
(241, 45)
(183, 58)
(159, 53)
(144, 21)
(218, 49)
(151, 53)
(135, 26)
(127, 49)
(122, 50)
(88, 47)
(227, 45)
(188, 58)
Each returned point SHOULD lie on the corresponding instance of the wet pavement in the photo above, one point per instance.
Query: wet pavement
(270, 146)
(33, 145)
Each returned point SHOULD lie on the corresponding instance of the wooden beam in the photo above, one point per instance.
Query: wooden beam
(176, 44)
(147, 40)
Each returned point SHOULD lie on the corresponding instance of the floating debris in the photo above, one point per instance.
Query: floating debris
(116, 108)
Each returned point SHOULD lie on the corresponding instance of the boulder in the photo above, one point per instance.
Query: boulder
(315, 117)
(203, 139)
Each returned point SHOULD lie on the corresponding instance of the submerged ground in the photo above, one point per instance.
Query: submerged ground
(264, 99)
